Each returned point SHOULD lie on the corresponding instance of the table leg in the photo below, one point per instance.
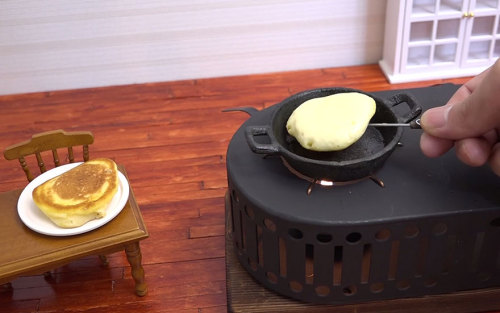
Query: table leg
(104, 260)
(7, 287)
(134, 257)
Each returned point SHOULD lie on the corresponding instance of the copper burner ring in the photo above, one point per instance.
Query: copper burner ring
(323, 182)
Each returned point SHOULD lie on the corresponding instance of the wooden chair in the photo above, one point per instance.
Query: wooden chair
(122, 233)
(49, 141)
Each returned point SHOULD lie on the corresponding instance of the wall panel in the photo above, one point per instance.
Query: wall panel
(63, 44)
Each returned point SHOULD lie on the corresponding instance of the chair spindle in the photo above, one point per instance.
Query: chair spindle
(41, 165)
(56, 157)
(71, 157)
(26, 169)
(85, 153)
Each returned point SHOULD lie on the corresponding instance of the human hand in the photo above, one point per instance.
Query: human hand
(470, 122)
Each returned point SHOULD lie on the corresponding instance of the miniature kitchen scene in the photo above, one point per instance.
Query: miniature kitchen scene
(250, 156)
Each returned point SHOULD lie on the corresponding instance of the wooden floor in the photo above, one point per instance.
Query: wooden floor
(172, 138)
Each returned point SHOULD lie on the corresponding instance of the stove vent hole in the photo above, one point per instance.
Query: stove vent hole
(309, 264)
(270, 225)
(421, 256)
(235, 196)
(232, 226)
(295, 286)
(249, 211)
(353, 237)
(260, 246)
(450, 252)
(495, 222)
(484, 276)
(403, 285)
(324, 238)
(383, 234)
(253, 265)
(393, 261)
(476, 254)
(271, 277)
(322, 291)
(295, 233)
(411, 231)
(498, 260)
(439, 229)
(430, 282)
(350, 290)
(337, 265)
(366, 263)
(282, 251)
(377, 287)
(243, 238)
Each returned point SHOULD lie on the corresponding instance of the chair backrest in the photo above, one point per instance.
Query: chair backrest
(49, 141)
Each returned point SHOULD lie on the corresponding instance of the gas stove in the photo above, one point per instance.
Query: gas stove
(428, 226)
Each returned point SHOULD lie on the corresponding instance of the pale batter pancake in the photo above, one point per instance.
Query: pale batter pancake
(331, 123)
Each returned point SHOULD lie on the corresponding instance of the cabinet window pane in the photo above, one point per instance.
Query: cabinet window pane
(419, 55)
(483, 25)
(421, 31)
(424, 6)
(448, 28)
(496, 51)
(479, 49)
(450, 5)
(486, 4)
(445, 53)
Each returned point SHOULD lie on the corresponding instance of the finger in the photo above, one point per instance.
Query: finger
(466, 89)
(492, 136)
(433, 147)
(494, 160)
(473, 151)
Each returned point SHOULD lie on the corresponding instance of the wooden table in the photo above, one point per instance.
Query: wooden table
(28, 252)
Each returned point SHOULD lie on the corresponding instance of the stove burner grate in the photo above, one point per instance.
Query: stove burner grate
(327, 182)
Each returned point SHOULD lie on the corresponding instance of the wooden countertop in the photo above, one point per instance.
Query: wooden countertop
(172, 138)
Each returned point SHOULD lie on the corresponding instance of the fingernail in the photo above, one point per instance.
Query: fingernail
(436, 117)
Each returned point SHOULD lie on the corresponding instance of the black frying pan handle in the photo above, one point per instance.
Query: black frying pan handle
(262, 148)
(415, 109)
(248, 110)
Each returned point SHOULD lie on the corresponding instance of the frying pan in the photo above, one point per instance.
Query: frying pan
(361, 159)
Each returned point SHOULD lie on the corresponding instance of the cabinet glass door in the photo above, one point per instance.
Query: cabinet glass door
(481, 35)
(496, 49)
(434, 34)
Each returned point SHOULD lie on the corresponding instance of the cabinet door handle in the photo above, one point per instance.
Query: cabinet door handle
(468, 14)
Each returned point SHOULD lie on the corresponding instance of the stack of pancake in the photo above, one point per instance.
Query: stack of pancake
(79, 195)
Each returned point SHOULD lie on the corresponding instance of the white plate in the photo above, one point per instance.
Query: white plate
(36, 220)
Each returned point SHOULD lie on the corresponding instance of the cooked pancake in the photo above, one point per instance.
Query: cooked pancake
(331, 123)
(79, 195)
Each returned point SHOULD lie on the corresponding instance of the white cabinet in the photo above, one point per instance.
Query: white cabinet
(431, 39)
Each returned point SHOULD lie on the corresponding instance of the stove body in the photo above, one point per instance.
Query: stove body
(434, 228)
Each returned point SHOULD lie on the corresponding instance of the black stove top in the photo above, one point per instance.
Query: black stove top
(414, 184)
(432, 229)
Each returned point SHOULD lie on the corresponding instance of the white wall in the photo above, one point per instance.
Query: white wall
(66, 44)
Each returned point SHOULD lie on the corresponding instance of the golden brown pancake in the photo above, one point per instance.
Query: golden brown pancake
(79, 195)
